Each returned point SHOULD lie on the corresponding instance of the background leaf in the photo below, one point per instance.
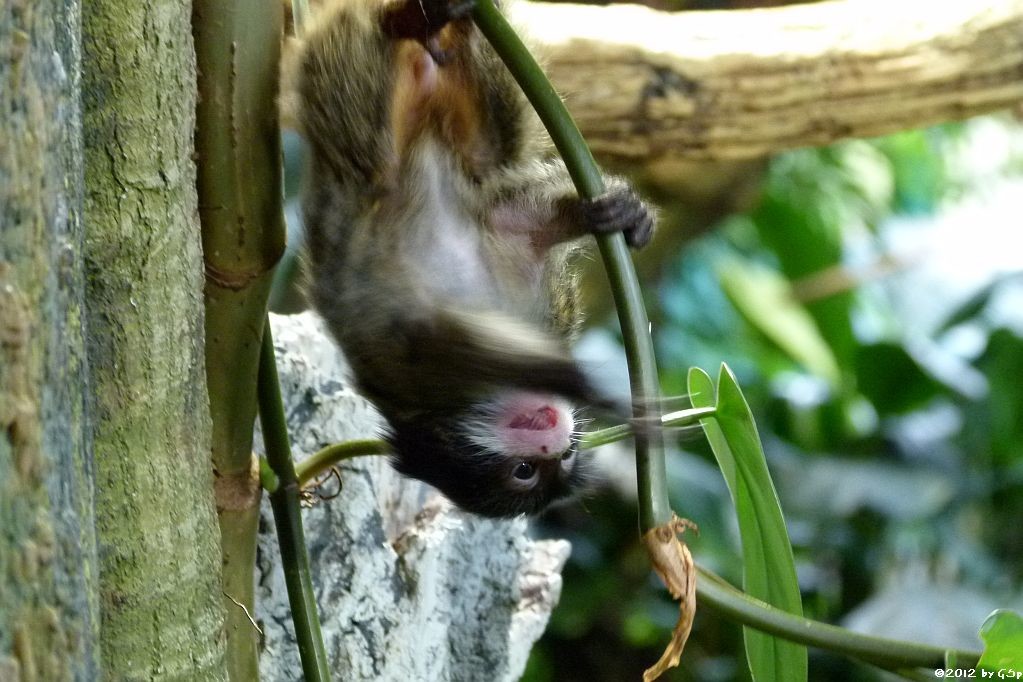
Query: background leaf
(765, 299)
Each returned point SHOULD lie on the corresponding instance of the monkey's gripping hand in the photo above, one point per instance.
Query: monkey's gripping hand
(439, 13)
(422, 20)
(620, 210)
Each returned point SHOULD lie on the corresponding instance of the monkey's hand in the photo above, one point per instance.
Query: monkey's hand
(620, 210)
(440, 13)
(422, 20)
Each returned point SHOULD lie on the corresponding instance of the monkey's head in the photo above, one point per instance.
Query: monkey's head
(510, 454)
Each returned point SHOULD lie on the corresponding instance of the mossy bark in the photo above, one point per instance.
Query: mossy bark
(159, 550)
(48, 605)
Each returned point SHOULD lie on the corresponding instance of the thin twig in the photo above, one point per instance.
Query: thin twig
(246, 610)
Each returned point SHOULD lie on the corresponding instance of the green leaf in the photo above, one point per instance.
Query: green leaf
(1002, 633)
(892, 379)
(918, 169)
(769, 570)
(765, 299)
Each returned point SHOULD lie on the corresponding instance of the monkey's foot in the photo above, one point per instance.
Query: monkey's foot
(620, 210)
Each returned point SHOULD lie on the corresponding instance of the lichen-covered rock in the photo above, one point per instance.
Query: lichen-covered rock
(408, 587)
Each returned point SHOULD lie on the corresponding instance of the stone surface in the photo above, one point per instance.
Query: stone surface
(409, 588)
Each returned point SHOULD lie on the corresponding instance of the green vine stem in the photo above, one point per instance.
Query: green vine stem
(611, 434)
(316, 464)
(886, 653)
(288, 518)
(653, 488)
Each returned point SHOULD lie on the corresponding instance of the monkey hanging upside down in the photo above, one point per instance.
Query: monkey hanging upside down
(440, 237)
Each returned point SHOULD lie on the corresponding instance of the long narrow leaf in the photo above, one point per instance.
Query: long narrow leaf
(769, 571)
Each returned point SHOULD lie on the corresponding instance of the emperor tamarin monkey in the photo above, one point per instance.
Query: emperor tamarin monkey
(439, 235)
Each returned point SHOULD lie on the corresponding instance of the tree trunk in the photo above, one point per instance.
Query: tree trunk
(157, 534)
(48, 605)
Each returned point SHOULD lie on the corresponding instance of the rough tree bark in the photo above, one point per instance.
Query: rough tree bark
(646, 85)
(159, 551)
(48, 606)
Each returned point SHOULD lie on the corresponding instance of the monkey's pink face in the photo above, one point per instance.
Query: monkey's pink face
(533, 431)
(513, 452)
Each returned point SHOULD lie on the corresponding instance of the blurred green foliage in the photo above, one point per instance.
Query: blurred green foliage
(886, 387)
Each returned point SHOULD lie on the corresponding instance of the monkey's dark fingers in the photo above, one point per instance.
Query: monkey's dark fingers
(439, 13)
(620, 210)
(640, 234)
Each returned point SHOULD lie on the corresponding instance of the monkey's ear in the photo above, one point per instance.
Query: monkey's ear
(289, 102)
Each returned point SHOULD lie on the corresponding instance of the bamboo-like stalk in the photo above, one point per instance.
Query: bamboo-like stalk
(237, 45)
(288, 519)
(653, 489)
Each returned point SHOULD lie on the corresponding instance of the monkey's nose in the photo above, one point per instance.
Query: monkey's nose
(536, 425)
(540, 420)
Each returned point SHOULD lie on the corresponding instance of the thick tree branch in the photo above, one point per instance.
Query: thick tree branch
(645, 85)
(162, 613)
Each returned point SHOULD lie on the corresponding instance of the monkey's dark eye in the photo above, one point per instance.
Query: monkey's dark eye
(524, 471)
(568, 460)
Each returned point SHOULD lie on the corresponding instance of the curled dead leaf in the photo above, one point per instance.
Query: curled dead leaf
(674, 564)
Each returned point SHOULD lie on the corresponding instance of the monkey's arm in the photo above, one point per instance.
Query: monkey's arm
(541, 199)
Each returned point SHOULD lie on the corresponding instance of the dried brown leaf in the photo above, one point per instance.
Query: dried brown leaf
(674, 564)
